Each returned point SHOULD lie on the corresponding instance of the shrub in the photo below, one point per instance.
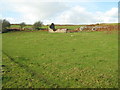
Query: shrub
(0, 26)
(5, 25)
(37, 25)
(22, 25)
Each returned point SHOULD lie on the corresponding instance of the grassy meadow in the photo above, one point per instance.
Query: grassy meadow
(70, 27)
(59, 60)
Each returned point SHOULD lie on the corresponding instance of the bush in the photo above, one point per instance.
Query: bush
(22, 25)
(0, 26)
(5, 25)
(37, 25)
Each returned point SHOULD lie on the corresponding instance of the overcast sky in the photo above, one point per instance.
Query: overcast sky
(60, 11)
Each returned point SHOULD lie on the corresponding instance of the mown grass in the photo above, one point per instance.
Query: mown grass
(60, 60)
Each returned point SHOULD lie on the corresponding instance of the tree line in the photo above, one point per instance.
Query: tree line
(5, 25)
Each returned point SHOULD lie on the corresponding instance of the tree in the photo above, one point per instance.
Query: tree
(37, 25)
(1, 25)
(22, 25)
(5, 25)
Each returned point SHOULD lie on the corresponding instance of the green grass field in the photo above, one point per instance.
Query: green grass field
(72, 27)
(59, 60)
